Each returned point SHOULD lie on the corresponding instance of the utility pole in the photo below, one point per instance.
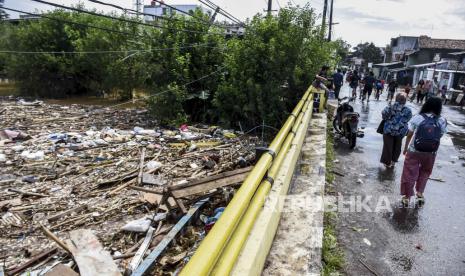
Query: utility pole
(270, 7)
(331, 21)
(325, 10)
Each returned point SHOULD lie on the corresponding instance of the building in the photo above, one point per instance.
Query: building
(400, 46)
(158, 10)
(424, 57)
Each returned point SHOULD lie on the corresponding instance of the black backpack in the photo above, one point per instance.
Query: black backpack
(428, 135)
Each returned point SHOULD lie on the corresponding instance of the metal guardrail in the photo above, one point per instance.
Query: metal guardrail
(219, 250)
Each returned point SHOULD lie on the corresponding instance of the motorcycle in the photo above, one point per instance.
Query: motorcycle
(346, 121)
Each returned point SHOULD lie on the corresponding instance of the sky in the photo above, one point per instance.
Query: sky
(359, 20)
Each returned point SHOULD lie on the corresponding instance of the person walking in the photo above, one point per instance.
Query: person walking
(379, 89)
(425, 91)
(392, 87)
(354, 79)
(419, 90)
(407, 89)
(396, 117)
(338, 81)
(423, 138)
(369, 82)
(443, 93)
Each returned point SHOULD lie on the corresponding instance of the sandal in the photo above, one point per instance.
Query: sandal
(405, 201)
(420, 200)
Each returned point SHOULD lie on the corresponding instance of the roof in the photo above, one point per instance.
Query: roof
(387, 64)
(428, 64)
(458, 53)
(426, 42)
(400, 69)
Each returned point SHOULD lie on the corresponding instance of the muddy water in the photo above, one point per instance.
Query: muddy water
(10, 90)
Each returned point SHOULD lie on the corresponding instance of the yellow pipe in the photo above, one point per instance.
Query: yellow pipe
(232, 250)
(207, 254)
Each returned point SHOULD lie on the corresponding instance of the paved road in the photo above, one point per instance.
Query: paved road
(399, 241)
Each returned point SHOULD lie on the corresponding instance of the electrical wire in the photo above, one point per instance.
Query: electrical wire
(171, 89)
(118, 18)
(189, 14)
(221, 11)
(112, 51)
(73, 23)
(152, 15)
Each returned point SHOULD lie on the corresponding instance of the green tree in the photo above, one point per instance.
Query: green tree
(369, 52)
(271, 67)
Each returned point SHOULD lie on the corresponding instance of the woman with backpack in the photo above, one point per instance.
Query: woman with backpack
(421, 146)
(395, 128)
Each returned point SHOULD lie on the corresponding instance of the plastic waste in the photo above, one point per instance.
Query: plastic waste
(213, 219)
(2, 157)
(58, 136)
(139, 225)
(29, 179)
(152, 165)
(229, 135)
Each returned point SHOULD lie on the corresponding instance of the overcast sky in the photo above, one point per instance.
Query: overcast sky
(359, 20)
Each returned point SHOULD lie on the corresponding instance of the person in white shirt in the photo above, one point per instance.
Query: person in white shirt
(421, 146)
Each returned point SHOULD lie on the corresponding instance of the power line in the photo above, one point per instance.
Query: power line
(112, 51)
(116, 18)
(148, 14)
(201, 20)
(226, 14)
(72, 22)
(171, 89)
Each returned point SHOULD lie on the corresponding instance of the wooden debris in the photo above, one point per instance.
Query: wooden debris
(61, 270)
(210, 183)
(67, 212)
(141, 252)
(37, 258)
(52, 236)
(141, 166)
(89, 254)
(26, 193)
(148, 263)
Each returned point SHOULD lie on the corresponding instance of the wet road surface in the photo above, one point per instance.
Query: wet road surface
(390, 240)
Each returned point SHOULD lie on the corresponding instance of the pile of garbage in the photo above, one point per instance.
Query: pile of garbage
(85, 175)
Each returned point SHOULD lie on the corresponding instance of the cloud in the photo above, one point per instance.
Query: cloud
(353, 14)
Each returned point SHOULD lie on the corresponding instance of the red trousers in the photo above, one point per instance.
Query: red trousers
(417, 169)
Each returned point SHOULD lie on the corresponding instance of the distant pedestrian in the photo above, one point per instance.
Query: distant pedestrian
(369, 82)
(354, 79)
(392, 87)
(443, 93)
(379, 89)
(420, 91)
(426, 129)
(338, 80)
(407, 89)
(396, 118)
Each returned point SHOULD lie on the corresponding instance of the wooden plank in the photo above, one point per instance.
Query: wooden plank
(207, 186)
(135, 262)
(67, 212)
(89, 254)
(141, 167)
(150, 261)
(210, 178)
(61, 270)
(37, 258)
